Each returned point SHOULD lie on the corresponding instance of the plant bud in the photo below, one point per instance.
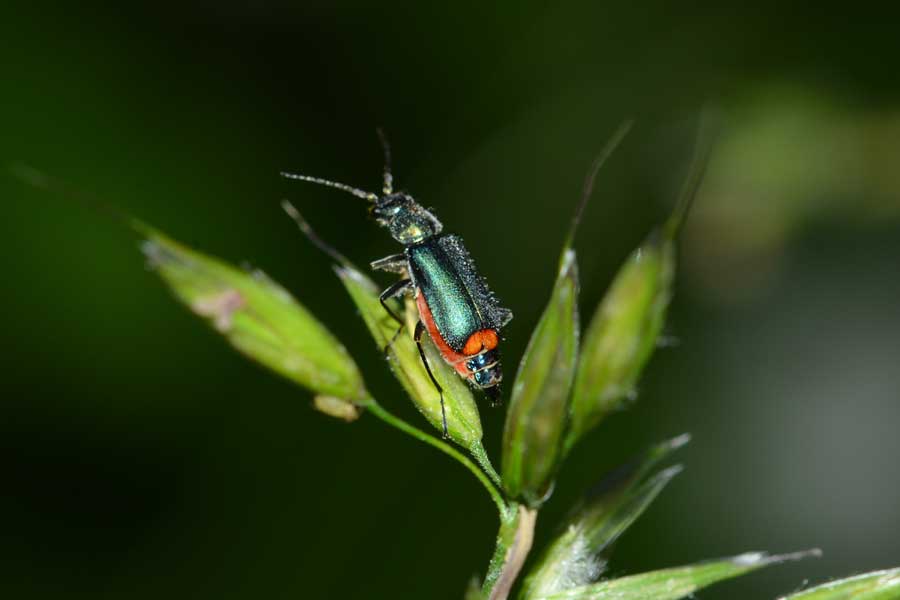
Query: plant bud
(258, 317)
(622, 335)
(538, 410)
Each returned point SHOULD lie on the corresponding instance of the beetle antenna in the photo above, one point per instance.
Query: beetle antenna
(311, 235)
(599, 161)
(388, 186)
(340, 186)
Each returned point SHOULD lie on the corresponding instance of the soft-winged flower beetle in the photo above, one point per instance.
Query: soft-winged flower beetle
(456, 307)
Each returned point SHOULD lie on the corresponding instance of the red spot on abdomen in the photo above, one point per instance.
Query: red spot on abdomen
(486, 339)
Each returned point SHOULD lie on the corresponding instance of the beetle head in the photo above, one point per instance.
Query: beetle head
(405, 218)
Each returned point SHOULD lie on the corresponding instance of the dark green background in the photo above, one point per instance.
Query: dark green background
(141, 458)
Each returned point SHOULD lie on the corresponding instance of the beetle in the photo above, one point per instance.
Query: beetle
(456, 308)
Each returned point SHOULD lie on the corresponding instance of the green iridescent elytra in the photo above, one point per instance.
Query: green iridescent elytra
(459, 300)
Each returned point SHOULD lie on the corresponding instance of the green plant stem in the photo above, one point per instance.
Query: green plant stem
(380, 412)
(513, 545)
(478, 453)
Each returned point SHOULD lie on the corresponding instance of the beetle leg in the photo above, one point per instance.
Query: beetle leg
(395, 291)
(420, 328)
(395, 263)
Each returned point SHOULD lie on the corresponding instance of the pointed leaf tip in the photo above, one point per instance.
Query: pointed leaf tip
(677, 582)
(678, 441)
(877, 585)
(588, 187)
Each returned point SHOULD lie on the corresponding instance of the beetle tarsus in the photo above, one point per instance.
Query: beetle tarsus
(395, 263)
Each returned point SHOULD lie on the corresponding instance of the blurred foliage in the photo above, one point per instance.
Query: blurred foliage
(791, 157)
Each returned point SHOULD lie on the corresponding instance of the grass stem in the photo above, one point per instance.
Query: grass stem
(380, 412)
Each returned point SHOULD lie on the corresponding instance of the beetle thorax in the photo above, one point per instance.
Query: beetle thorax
(405, 218)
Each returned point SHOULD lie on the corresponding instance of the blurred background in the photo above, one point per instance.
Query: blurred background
(143, 458)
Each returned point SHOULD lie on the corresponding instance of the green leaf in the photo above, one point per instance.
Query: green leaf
(257, 316)
(538, 410)
(573, 558)
(463, 420)
(678, 582)
(877, 585)
(622, 335)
